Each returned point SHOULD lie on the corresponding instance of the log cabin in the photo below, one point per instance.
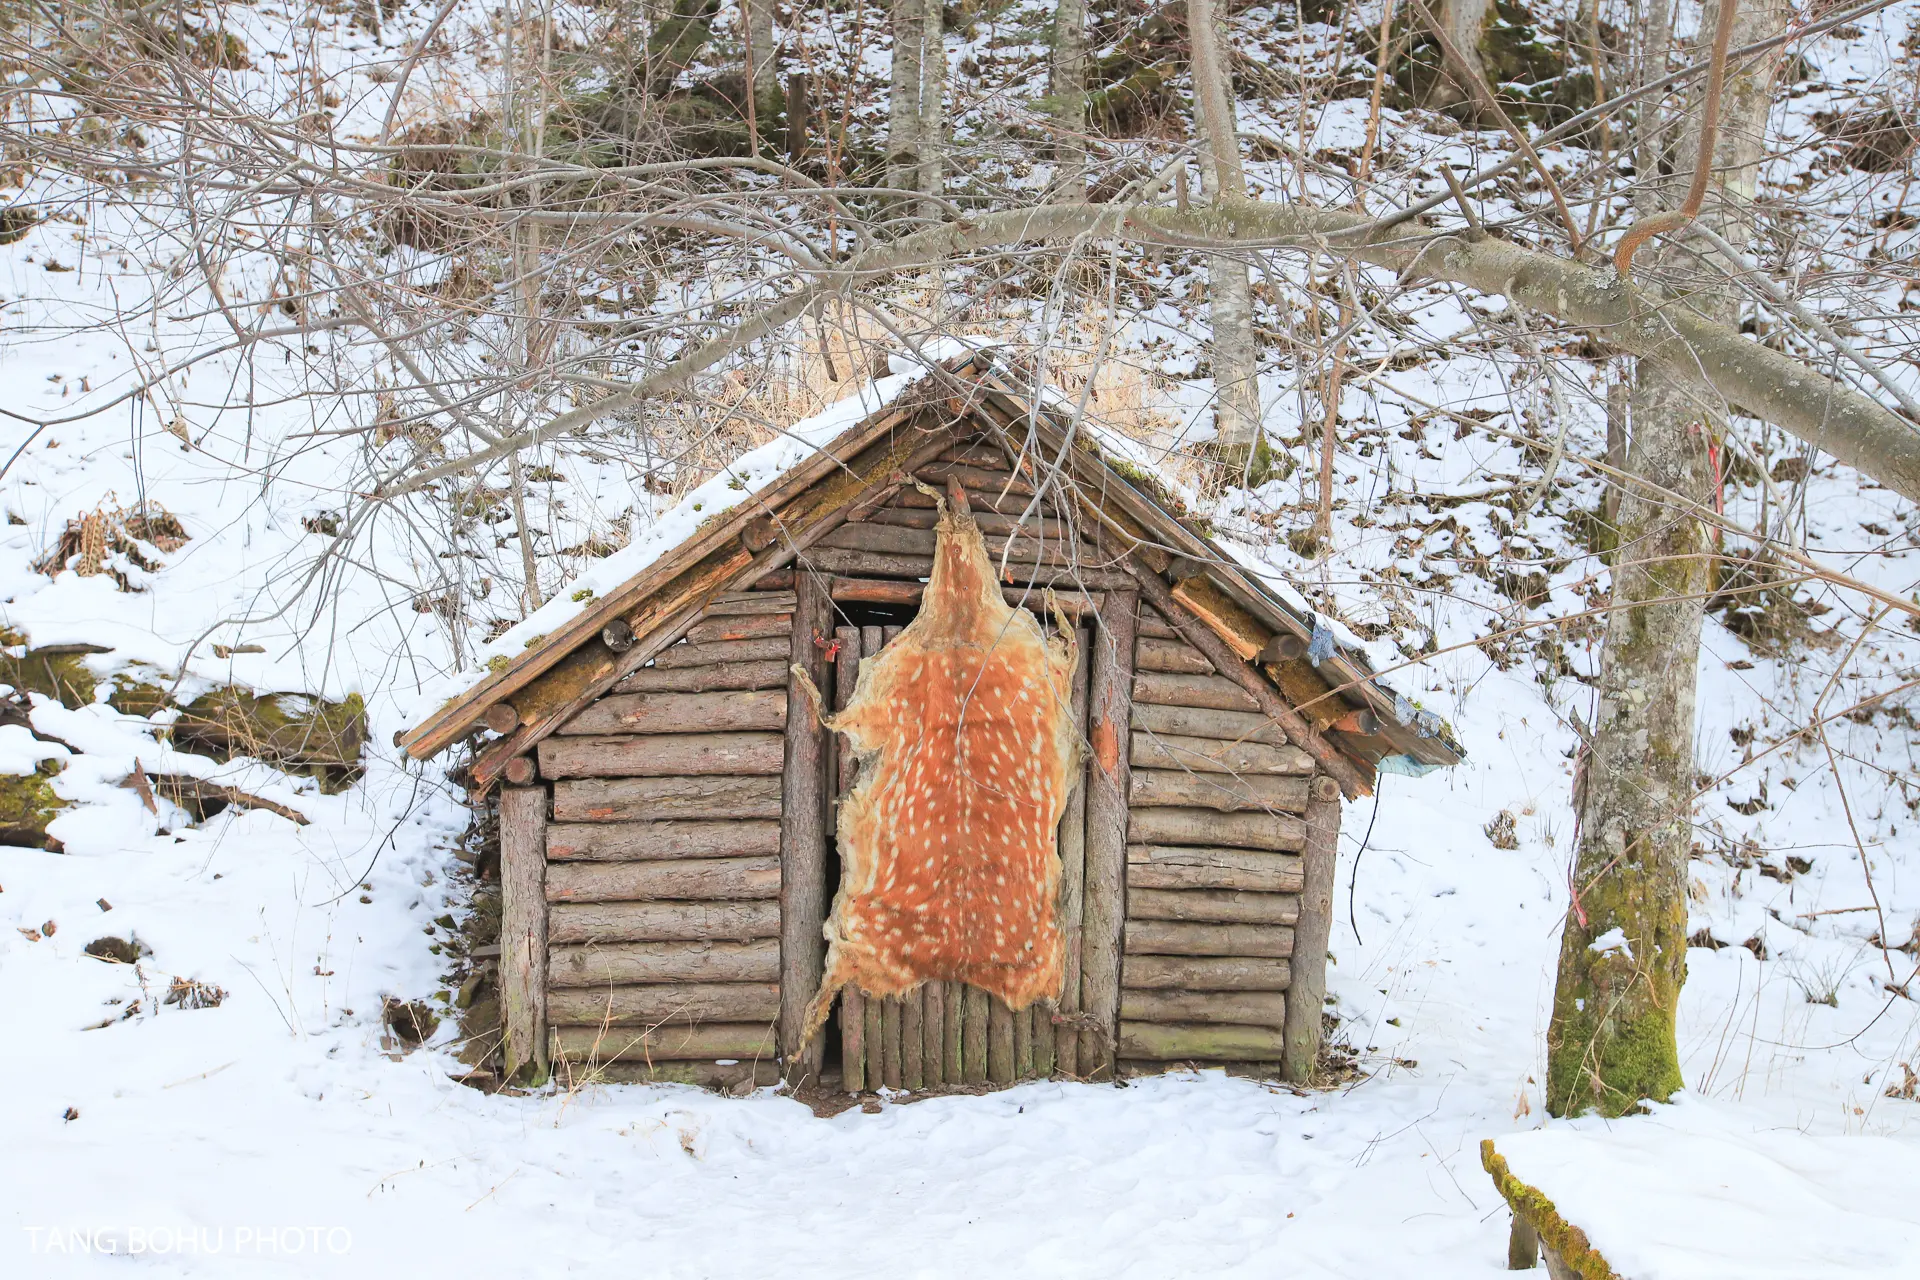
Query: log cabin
(668, 796)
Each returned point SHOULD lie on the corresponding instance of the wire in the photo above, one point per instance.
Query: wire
(1379, 784)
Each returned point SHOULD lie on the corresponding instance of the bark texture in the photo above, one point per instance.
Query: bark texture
(1067, 88)
(916, 116)
(1229, 283)
(1623, 951)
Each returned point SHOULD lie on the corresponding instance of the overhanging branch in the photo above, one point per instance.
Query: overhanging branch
(1768, 384)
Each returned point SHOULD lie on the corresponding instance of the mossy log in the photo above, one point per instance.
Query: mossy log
(28, 804)
(1200, 1042)
(288, 730)
(672, 1003)
(58, 671)
(1566, 1244)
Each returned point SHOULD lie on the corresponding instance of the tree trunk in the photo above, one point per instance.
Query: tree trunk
(1465, 22)
(1067, 87)
(933, 90)
(1623, 951)
(760, 50)
(903, 102)
(1229, 285)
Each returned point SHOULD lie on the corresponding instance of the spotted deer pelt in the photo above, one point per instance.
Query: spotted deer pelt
(964, 733)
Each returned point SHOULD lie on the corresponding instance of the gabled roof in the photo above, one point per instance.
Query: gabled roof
(762, 512)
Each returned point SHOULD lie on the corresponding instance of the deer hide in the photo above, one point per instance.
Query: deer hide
(964, 732)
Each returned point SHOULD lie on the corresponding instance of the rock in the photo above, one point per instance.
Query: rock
(118, 950)
(412, 1022)
(28, 804)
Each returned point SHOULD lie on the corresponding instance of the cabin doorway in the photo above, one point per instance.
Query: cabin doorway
(946, 1034)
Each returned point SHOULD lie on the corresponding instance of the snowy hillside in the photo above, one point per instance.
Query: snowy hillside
(223, 1091)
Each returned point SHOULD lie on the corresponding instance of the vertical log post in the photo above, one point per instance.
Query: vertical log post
(952, 1016)
(853, 1004)
(973, 1056)
(933, 1030)
(999, 1041)
(1073, 881)
(523, 930)
(803, 832)
(1308, 990)
(1109, 696)
(912, 1041)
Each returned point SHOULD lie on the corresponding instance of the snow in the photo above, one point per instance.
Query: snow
(1699, 1191)
(280, 1113)
(1614, 939)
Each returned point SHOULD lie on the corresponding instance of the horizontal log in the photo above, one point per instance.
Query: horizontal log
(1205, 973)
(727, 712)
(1209, 755)
(681, 656)
(985, 479)
(1012, 504)
(880, 564)
(1204, 722)
(653, 799)
(977, 453)
(745, 1041)
(1179, 938)
(730, 675)
(1204, 906)
(895, 540)
(1218, 692)
(657, 841)
(736, 1077)
(738, 602)
(620, 963)
(1153, 866)
(1213, 1008)
(1072, 602)
(741, 626)
(992, 524)
(1175, 657)
(1226, 792)
(662, 921)
(1280, 832)
(1180, 1042)
(662, 755)
(665, 1004)
(696, 879)
(1150, 623)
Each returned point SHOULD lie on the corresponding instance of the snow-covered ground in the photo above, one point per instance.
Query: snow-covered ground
(275, 1134)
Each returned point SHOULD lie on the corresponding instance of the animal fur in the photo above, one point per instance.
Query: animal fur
(964, 732)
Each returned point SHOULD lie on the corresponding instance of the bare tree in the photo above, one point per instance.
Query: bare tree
(1624, 946)
(1236, 369)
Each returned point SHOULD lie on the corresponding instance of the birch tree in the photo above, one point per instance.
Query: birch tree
(1239, 440)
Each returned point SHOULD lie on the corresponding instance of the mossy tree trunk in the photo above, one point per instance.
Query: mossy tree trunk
(1612, 1042)
(1229, 283)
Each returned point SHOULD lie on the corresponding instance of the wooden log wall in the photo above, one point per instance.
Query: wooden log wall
(1217, 856)
(664, 870)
